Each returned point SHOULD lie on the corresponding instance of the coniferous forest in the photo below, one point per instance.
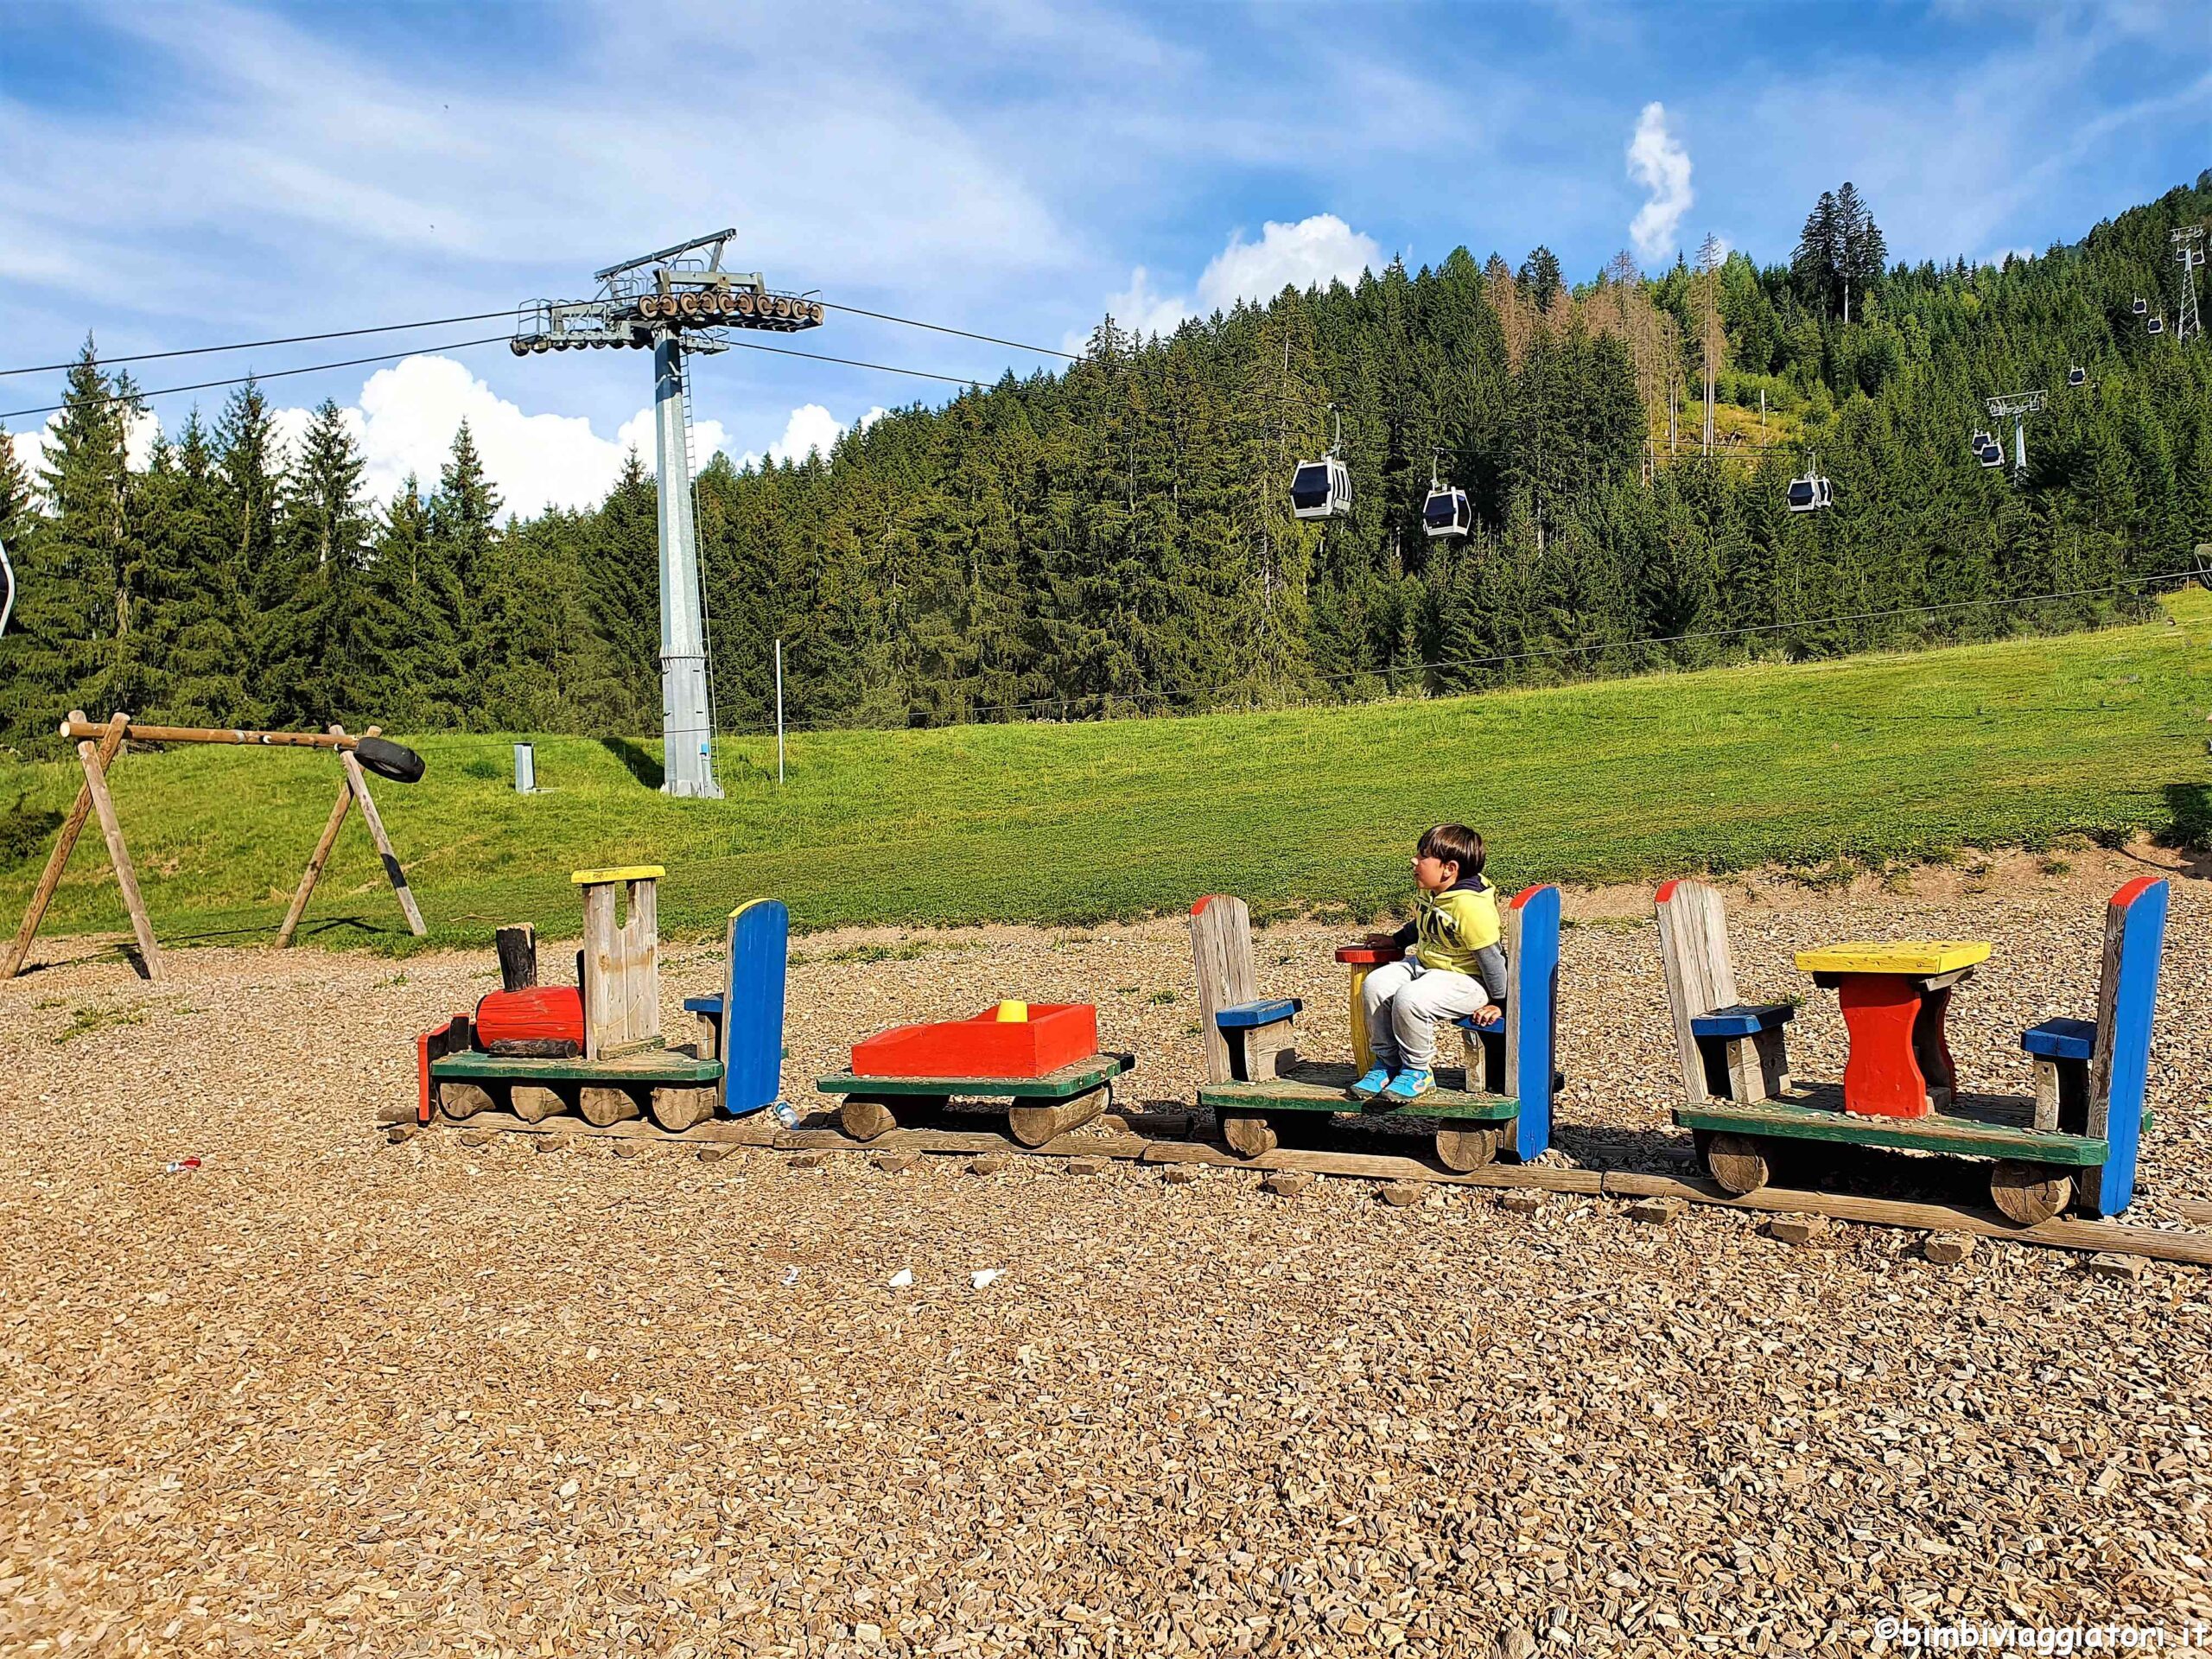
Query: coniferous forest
(1117, 538)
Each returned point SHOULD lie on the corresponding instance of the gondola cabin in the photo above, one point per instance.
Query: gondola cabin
(2156, 325)
(1810, 494)
(1992, 453)
(1321, 489)
(2076, 376)
(2142, 308)
(1447, 513)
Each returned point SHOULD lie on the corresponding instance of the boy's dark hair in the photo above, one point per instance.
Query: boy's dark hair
(1454, 843)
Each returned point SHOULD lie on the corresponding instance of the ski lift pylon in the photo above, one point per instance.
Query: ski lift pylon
(1322, 489)
(1446, 512)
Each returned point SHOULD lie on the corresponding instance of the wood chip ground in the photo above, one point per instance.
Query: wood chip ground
(328, 1394)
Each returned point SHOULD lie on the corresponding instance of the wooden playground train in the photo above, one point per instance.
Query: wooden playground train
(595, 1051)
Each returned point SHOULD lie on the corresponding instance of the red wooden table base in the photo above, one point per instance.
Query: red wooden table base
(1900, 1063)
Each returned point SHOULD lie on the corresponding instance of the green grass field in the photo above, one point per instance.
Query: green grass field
(1863, 760)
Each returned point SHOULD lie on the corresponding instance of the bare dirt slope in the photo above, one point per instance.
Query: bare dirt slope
(329, 1394)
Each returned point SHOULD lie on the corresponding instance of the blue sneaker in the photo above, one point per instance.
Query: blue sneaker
(1409, 1085)
(1370, 1085)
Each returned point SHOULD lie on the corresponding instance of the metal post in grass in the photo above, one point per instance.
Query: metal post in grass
(779, 713)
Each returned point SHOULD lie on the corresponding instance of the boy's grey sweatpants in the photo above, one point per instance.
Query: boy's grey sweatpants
(1404, 1001)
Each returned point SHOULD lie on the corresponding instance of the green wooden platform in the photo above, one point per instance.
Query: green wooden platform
(1316, 1088)
(1079, 1078)
(668, 1067)
(1976, 1127)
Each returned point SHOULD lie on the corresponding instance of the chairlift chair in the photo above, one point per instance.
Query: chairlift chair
(1322, 489)
(1446, 512)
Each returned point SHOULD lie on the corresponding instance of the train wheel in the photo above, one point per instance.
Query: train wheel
(1736, 1162)
(1249, 1133)
(2029, 1193)
(864, 1118)
(1468, 1148)
(459, 1101)
(602, 1106)
(677, 1109)
(534, 1102)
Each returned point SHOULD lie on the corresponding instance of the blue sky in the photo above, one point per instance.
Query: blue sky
(181, 174)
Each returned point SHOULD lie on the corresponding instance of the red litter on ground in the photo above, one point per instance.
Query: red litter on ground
(183, 1165)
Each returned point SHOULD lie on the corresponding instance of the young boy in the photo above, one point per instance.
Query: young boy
(1456, 966)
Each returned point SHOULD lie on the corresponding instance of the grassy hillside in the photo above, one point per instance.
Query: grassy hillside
(1869, 758)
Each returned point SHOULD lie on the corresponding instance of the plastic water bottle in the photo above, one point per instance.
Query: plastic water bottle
(784, 1115)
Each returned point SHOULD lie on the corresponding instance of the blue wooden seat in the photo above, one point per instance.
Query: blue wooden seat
(1250, 1016)
(2061, 1039)
(1742, 1020)
(1493, 1026)
(710, 1006)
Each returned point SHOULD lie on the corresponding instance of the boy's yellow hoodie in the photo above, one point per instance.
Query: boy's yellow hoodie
(1452, 931)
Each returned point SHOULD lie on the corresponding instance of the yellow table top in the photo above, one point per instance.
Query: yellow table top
(621, 872)
(1912, 956)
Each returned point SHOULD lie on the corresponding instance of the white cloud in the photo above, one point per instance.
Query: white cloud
(407, 415)
(1657, 160)
(1316, 249)
(1142, 309)
(811, 429)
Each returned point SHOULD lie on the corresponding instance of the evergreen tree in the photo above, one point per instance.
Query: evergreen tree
(464, 519)
(1539, 277)
(84, 630)
(249, 474)
(1861, 251)
(15, 502)
(1818, 262)
(202, 616)
(317, 661)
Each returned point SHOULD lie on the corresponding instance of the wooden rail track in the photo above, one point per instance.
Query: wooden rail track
(1160, 1138)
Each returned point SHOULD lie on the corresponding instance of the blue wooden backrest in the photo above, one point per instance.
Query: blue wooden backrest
(1532, 1015)
(2127, 994)
(752, 1007)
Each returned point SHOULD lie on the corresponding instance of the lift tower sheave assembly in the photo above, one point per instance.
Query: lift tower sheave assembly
(677, 302)
(2017, 406)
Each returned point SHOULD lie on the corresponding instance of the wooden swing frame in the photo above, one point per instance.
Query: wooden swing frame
(93, 797)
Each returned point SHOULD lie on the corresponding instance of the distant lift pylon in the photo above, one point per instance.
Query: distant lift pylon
(677, 302)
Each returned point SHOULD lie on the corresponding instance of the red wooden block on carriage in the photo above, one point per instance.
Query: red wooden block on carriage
(1055, 1034)
(544, 1014)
